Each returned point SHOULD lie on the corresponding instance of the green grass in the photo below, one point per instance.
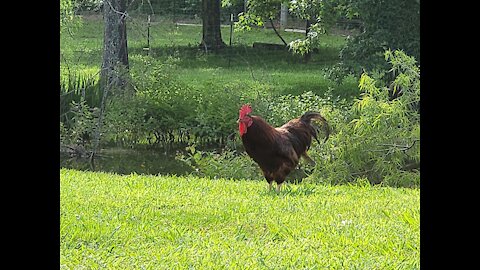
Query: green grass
(112, 221)
(283, 72)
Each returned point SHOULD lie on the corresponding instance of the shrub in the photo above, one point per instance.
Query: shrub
(77, 85)
(386, 24)
(81, 126)
(217, 108)
(165, 110)
(160, 109)
(382, 140)
(226, 163)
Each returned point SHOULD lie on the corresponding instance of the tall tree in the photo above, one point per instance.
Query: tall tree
(212, 36)
(115, 53)
(114, 71)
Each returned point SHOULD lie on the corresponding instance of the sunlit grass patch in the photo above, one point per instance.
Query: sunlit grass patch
(170, 222)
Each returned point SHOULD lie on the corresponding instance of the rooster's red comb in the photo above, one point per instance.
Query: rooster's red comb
(245, 109)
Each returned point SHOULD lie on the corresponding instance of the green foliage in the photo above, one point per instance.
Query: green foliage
(75, 86)
(167, 7)
(266, 9)
(164, 109)
(161, 105)
(382, 140)
(88, 5)
(66, 12)
(321, 15)
(81, 125)
(217, 109)
(220, 164)
(385, 25)
(80, 97)
(246, 21)
(284, 108)
(390, 24)
(68, 20)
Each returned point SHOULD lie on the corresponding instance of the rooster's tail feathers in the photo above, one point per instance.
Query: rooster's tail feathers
(309, 116)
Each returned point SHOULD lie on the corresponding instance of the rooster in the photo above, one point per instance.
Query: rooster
(277, 150)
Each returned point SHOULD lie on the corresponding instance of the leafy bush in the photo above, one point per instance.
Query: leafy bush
(382, 141)
(226, 163)
(217, 108)
(75, 86)
(68, 20)
(387, 24)
(81, 126)
(160, 107)
(165, 110)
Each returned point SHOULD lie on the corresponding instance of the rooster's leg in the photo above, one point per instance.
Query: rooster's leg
(269, 186)
(279, 187)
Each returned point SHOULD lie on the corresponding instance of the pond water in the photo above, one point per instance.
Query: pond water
(127, 161)
(151, 162)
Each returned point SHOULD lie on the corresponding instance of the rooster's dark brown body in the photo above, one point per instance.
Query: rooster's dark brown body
(277, 150)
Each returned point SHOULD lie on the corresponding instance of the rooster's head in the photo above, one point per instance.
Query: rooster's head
(244, 119)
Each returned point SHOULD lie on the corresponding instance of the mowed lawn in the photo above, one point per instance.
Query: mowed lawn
(111, 221)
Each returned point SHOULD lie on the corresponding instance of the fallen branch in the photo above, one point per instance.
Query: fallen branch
(393, 146)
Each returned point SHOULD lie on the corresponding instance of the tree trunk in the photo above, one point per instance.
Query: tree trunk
(212, 36)
(114, 71)
(115, 54)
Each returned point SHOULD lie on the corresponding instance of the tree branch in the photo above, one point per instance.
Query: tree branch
(393, 146)
(275, 29)
(124, 14)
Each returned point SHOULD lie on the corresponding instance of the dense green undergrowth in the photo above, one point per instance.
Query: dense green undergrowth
(168, 222)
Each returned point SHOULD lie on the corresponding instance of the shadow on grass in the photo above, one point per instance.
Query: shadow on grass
(288, 73)
(192, 56)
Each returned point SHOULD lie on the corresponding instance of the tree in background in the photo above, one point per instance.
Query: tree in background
(387, 24)
(114, 70)
(212, 36)
(257, 12)
(115, 52)
(319, 15)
